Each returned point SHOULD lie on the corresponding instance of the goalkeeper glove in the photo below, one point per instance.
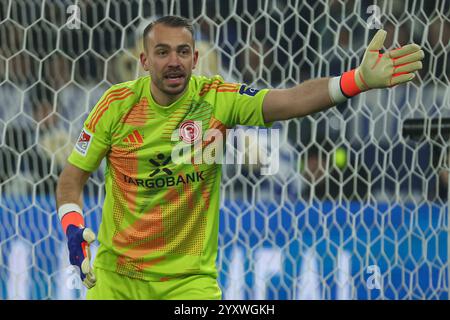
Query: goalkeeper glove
(78, 239)
(378, 70)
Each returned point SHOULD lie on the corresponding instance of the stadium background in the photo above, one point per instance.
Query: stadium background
(376, 228)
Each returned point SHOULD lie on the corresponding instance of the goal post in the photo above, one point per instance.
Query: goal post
(357, 209)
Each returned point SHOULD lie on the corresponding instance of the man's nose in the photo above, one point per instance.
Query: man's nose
(174, 60)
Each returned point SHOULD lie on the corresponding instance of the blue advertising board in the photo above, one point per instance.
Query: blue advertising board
(323, 250)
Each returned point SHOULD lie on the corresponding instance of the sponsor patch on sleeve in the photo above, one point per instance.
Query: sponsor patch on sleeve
(83, 143)
(248, 90)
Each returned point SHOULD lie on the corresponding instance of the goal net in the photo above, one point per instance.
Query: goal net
(355, 211)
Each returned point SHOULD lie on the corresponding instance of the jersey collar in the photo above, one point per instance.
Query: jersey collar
(167, 110)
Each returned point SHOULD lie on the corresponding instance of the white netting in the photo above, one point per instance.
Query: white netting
(355, 212)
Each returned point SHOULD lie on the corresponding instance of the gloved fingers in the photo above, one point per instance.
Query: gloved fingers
(377, 41)
(402, 78)
(86, 266)
(403, 51)
(88, 273)
(90, 280)
(416, 56)
(410, 67)
(88, 235)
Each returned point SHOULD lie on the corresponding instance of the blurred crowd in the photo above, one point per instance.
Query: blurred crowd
(51, 76)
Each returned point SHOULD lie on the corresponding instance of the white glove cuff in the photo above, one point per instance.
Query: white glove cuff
(68, 207)
(334, 89)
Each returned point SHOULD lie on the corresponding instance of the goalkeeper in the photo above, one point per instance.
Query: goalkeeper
(160, 221)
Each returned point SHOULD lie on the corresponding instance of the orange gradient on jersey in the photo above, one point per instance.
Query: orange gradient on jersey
(124, 162)
(141, 233)
(138, 115)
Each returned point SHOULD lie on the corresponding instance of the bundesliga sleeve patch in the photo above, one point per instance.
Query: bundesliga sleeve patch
(248, 90)
(83, 143)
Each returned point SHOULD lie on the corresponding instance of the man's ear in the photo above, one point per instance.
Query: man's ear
(144, 61)
(195, 59)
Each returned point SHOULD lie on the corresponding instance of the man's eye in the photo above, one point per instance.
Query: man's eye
(161, 53)
(184, 52)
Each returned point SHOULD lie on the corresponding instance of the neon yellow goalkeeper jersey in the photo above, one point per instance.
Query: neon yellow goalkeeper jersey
(160, 219)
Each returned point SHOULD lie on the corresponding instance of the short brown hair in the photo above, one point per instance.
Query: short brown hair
(171, 21)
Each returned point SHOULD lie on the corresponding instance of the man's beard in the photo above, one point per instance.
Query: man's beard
(170, 91)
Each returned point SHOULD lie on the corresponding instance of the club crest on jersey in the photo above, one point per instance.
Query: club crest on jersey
(248, 90)
(83, 143)
(189, 131)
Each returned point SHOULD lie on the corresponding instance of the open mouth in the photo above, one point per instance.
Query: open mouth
(174, 78)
